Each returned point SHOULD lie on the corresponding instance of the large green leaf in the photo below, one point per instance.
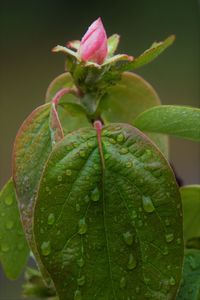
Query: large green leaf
(31, 149)
(109, 226)
(127, 99)
(180, 121)
(191, 211)
(148, 55)
(190, 287)
(13, 246)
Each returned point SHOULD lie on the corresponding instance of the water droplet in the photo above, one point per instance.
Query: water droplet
(9, 224)
(87, 199)
(80, 262)
(5, 248)
(131, 262)
(128, 238)
(82, 226)
(165, 251)
(122, 283)
(140, 223)
(112, 141)
(134, 214)
(77, 295)
(8, 200)
(77, 207)
(81, 280)
(123, 150)
(91, 144)
(120, 138)
(68, 172)
(169, 237)
(167, 222)
(46, 248)
(51, 219)
(172, 281)
(95, 195)
(59, 178)
(47, 189)
(137, 289)
(82, 153)
(178, 241)
(129, 164)
(147, 204)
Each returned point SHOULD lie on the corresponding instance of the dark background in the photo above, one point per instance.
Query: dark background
(28, 31)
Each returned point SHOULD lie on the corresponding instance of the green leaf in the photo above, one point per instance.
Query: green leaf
(190, 287)
(127, 99)
(113, 42)
(13, 246)
(108, 218)
(191, 211)
(149, 55)
(31, 150)
(180, 121)
(62, 81)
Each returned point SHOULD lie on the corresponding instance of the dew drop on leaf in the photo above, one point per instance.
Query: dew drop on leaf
(51, 219)
(82, 153)
(95, 195)
(81, 280)
(77, 207)
(5, 248)
(147, 204)
(172, 281)
(169, 237)
(9, 224)
(77, 295)
(46, 248)
(128, 238)
(131, 262)
(123, 150)
(122, 283)
(8, 200)
(112, 141)
(134, 214)
(68, 172)
(167, 222)
(82, 226)
(80, 262)
(129, 164)
(120, 138)
(59, 178)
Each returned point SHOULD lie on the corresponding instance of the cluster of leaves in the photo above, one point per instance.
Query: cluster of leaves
(101, 210)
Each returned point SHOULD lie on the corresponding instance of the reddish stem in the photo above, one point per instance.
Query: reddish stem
(62, 92)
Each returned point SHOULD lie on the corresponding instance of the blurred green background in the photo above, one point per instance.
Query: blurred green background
(29, 30)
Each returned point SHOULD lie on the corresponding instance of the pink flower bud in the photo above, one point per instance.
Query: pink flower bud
(93, 45)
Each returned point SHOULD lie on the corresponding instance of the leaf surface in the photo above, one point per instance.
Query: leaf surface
(109, 226)
(13, 246)
(180, 121)
(190, 287)
(190, 196)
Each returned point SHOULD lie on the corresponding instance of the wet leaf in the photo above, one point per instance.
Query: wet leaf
(190, 196)
(104, 222)
(129, 98)
(14, 251)
(180, 121)
(190, 287)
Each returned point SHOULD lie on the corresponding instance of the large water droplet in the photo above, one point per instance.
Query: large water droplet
(131, 262)
(134, 214)
(167, 222)
(80, 262)
(9, 224)
(169, 237)
(172, 281)
(91, 144)
(68, 172)
(95, 195)
(120, 138)
(128, 238)
(51, 219)
(77, 295)
(178, 241)
(82, 226)
(137, 289)
(123, 150)
(122, 283)
(147, 204)
(78, 207)
(59, 178)
(46, 248)
(81, 280)
(112, 141)
(8, 200)
(82, 153)
(129, 164)
(5, 247)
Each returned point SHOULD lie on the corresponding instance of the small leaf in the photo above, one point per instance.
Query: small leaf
(66, 51)
(190, 287)
(113, 42)
(74, 44)
(149, 55)
(104, 222)
(180, 121)
(14, 251)
(190, 196)
(127, 99)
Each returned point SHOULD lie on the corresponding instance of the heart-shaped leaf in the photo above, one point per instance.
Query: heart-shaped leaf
(13, 246)
(127, 99)
(183, 122)
(108, 217)
(190, 196)
(190, 287)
